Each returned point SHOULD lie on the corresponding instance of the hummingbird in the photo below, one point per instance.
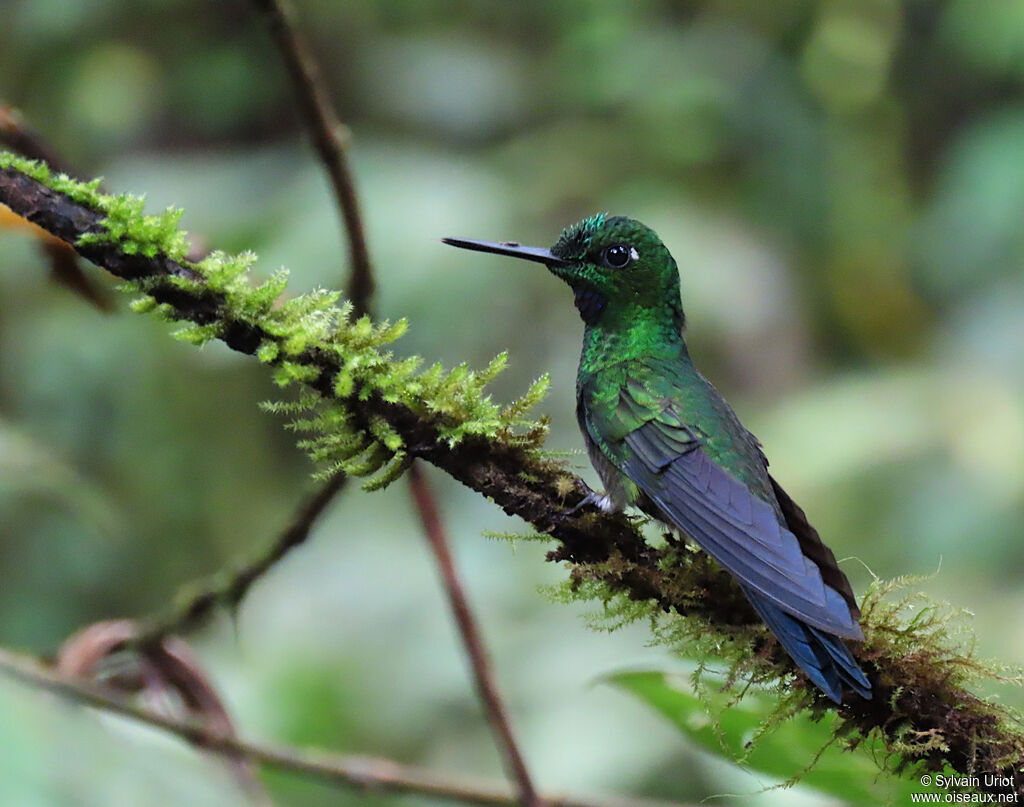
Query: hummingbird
(663, 439)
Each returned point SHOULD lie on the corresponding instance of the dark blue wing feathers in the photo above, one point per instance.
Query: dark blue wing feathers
(740, 531)
(822, 656)
(791, 580)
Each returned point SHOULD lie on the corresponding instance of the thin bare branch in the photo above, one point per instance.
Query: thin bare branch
(198, 601)
(483, 674)
(161, 667)
(330, 138)
(341, 770)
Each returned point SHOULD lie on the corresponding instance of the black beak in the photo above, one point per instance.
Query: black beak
(509, 248)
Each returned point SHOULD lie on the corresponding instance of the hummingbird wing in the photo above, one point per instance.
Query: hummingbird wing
(641, 425)
(813, 547)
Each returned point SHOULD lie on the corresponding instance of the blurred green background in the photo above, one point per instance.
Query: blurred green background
(842, 184)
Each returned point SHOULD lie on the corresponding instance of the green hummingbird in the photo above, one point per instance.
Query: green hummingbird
(663, 439)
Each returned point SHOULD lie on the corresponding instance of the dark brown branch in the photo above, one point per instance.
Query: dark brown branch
(483, 675)
(228, 589)
(64, 269)
(369, 774)
(914, 691)
(330, 138)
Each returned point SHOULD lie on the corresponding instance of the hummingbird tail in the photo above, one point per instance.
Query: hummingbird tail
(824, 658)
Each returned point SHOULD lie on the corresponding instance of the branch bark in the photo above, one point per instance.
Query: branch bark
(483, 674)
(330, 138)
(916, 690)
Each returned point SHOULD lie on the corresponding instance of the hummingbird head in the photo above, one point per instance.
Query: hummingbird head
(618, 269)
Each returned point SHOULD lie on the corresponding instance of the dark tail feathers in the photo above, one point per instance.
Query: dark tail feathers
(823, 657)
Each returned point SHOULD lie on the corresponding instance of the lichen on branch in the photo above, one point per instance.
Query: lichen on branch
(368, 412)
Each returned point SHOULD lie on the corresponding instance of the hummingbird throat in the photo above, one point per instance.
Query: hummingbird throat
(590, 304)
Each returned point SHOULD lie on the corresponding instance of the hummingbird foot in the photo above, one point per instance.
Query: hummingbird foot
(602, 501)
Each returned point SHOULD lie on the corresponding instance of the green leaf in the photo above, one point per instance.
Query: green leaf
(737, 732)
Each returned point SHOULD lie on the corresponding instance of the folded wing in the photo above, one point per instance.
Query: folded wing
(646, 437)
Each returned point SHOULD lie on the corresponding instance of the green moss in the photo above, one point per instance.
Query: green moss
(143, 305)
(197, 335)
(125, 222)
(87, 193)
(268, 351)
(392, 471)
(515, 537)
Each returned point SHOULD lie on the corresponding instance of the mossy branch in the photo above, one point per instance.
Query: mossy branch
(369, 413)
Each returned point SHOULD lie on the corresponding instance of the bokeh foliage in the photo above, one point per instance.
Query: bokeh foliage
(841, 183)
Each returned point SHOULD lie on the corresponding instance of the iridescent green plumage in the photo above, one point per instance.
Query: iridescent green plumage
(662, 438)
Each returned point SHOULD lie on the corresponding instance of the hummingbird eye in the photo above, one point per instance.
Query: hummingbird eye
(617, 256)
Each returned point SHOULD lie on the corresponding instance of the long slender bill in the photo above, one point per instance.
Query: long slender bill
(509, 248)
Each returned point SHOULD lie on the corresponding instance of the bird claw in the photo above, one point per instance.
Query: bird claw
(600, 500)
